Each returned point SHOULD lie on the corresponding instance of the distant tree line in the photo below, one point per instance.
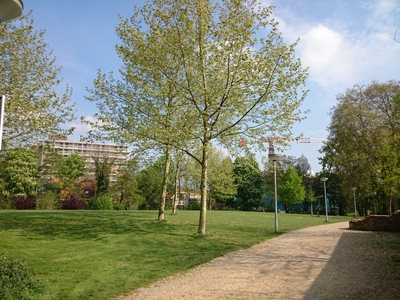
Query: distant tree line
(65, 183)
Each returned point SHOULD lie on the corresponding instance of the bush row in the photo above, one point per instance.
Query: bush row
(50, 200)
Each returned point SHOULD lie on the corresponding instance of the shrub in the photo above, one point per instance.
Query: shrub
(194, 206)
(132, 202)
(22, 202)
(73, 202)
(221, 206)
(5, 203)
(48, 200)
(15, 280)
(119, 206)
(101, 202)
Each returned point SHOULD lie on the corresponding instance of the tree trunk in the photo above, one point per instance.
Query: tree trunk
(203, 191)
(161, 211)
(311, 209)
(177, 188)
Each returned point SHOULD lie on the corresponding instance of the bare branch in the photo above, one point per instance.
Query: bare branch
(395, 36)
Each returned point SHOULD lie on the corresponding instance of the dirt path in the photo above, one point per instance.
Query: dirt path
(322, 262)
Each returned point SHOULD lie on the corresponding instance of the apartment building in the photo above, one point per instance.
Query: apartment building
(90, 151)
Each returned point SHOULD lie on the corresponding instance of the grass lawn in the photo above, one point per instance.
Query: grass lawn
(103, 254)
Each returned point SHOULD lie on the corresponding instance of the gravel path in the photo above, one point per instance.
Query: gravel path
(323, 262)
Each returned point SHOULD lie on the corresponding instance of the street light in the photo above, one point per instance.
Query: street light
(324, 179)
(9, 10)
(274, 157)
(355, 206)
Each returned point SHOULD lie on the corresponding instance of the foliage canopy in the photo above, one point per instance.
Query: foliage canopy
(291, 189)
(29, 80)
(198, 71)
(364, 138)
(20, 171)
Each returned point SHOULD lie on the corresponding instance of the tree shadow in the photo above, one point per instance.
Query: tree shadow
(364, 265)
(84, 225)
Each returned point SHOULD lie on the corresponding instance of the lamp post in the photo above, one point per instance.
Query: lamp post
(274, 157)
(355, 206)
(324, 179)
(310, 178)
(9, 10)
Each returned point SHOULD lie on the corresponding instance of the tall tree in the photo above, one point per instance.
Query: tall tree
(150, 181)
(227, 67)
(144, 107)
(364, 141)
(125, 190)
(221, 184)
(303, 169)
(50, 161)
(286, 161)
(29, 80)
(102, 173)
(250, 183)
(302, 166)
(20, 172)
(291, 189)
(72, 168)
(308, 182)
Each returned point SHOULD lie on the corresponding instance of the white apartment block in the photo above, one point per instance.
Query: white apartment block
(90, 151)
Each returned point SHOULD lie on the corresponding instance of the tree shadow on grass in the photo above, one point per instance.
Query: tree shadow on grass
(361, 267)
(84, 225)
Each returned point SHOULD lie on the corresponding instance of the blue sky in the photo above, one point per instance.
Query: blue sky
(343, 42)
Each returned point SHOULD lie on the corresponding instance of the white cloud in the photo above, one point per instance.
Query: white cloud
(81, 129)
(329, 56)
(338, 59)
(383, 18)
(343, 43)
(351, 43)
(383, 10)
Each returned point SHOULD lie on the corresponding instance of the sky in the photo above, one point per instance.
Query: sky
(342, 42)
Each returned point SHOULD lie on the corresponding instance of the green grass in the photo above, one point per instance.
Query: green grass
(103, 254)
